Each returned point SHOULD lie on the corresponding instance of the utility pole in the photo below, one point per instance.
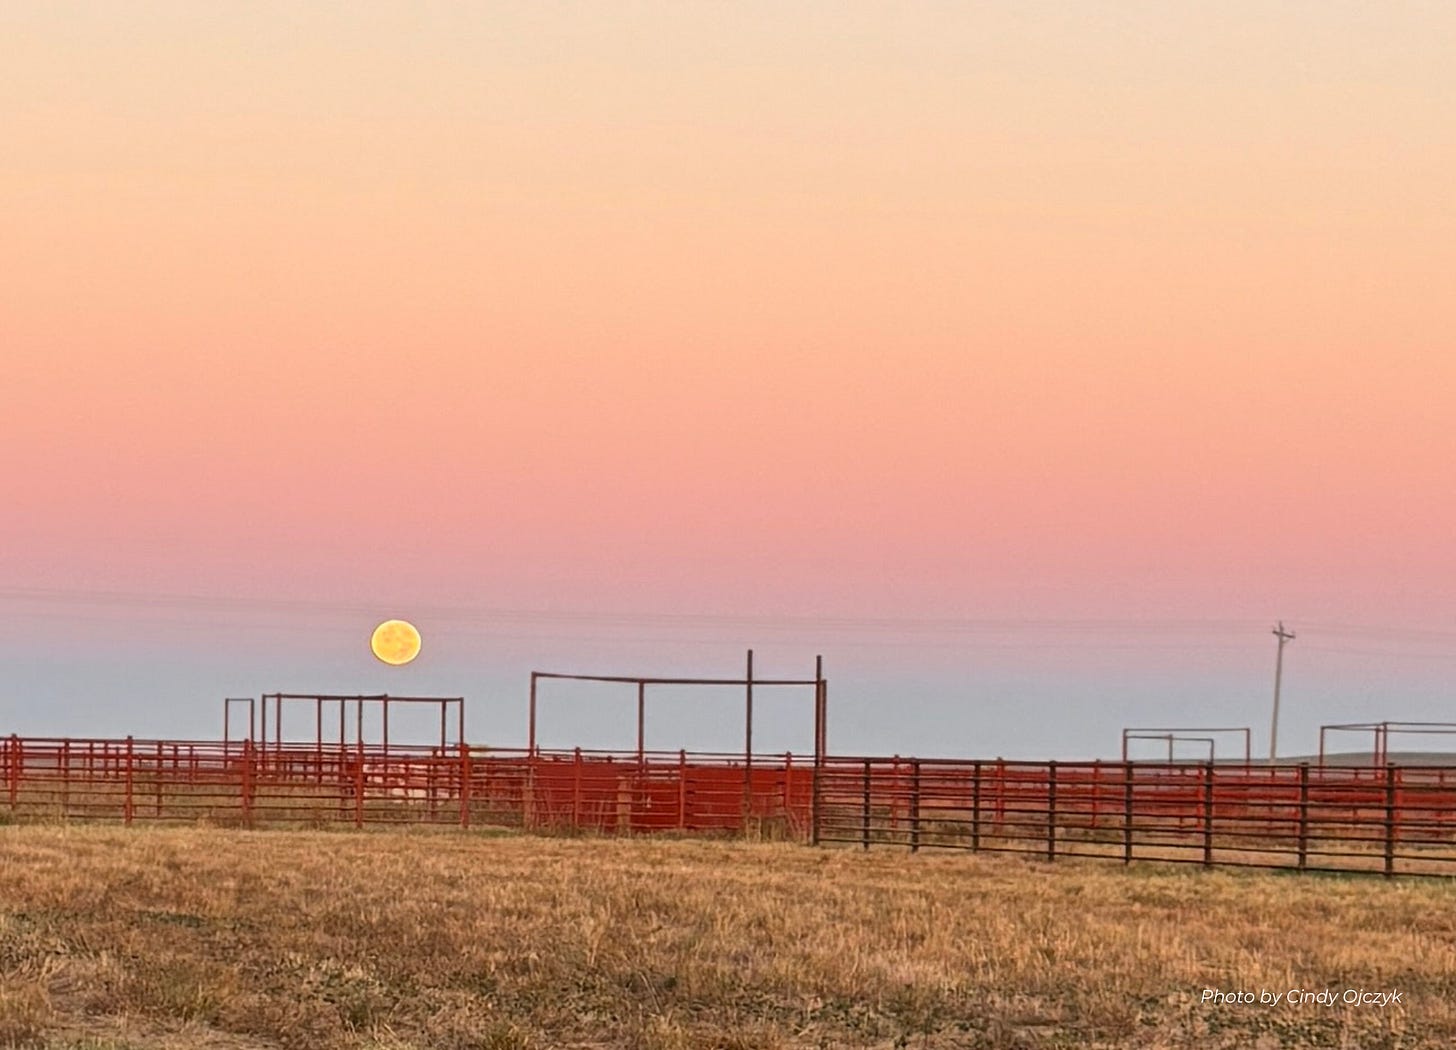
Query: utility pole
(1283, 636)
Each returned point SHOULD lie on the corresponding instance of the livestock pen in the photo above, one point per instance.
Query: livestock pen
(1389, 819)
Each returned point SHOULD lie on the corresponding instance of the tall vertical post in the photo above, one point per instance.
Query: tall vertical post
(384, 720)
(641, 722)
(748, 742)
(1283, 636)
(15, 769)
(814, 781)
(824, 716)
(818, 708)
(531, 719)
(816, 804)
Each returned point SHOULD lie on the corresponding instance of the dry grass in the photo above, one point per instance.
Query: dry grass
(117, 939)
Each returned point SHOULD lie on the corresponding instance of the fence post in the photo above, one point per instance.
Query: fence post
(1208, 815)
(464, 784)
(896, 796)
(1000, 786)
(915, 805)
(1303, 815)
(1127, 815)
(358, 783)
(16, 761)
(247, 783)
(814, 800)
(126, 808)
(157, 781)
(528, 791)
(865, 814)
(788, 789)
(576, 785)
(975, 806)
(1390, 772)
(1052, 810)
(682, 789)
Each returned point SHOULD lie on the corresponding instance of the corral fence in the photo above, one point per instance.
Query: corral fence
(316, 784)
(1391, 819)
(1388, 819)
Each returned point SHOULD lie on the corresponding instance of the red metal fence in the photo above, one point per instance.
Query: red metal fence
(1391, 820)
(317, 784)
(1395, 820)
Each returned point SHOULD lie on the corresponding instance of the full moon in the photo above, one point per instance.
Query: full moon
(395, 642)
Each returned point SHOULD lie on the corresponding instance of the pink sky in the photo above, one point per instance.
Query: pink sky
(1132, 311)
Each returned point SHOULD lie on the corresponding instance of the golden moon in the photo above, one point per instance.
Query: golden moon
(395, 642)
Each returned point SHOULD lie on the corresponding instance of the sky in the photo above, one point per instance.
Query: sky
(1029, 362)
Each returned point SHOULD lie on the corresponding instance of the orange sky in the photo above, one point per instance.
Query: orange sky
(913, 310)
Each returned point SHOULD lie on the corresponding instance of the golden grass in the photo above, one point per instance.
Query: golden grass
(121, 939)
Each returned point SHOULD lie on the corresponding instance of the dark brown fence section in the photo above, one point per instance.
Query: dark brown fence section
(1391, 820)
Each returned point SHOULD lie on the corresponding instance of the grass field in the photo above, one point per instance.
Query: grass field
(121, 939)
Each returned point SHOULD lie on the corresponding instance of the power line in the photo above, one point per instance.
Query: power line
(1385, 654)
(1383, 631)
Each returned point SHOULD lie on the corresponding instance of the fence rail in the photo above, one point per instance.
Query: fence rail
(1388, 819)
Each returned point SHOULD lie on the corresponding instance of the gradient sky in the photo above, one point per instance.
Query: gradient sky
(1027, 360)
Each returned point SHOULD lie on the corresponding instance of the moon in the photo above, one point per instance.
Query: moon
(395, 642)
